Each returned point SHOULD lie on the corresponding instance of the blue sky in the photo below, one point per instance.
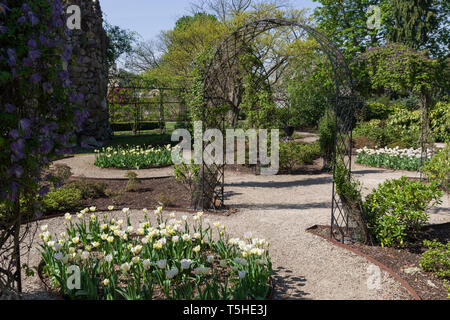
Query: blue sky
(149, 17)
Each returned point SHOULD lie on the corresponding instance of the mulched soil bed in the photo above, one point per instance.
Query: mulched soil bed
(427, 286)
(148, 195)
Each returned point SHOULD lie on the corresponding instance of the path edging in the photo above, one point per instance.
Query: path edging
(402, 281)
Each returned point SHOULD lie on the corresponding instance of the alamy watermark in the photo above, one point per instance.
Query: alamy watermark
(374, 279)
(209, 147)
(374, 20)
(74, 19)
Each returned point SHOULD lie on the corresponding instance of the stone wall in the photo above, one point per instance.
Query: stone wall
(89, 75)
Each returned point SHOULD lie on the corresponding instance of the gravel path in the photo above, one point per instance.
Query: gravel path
(280, 209)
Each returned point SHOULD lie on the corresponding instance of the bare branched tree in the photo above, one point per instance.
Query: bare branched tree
(222, 9)
(145, 56)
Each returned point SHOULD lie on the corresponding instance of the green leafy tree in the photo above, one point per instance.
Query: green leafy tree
(345, 22)
(420, 24)
(120, 42)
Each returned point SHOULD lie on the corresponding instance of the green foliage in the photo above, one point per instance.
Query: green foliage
(346, 23)
(405, 126)
(259, 108)
(189, 176)
(436, 259)
(327, 127)
(64, 199)
(419, 24)
(120, 42)
(398, 68)
(372, 130)
(293, 154)
(398, 208)
(376, 110)
(438, 168)
(440, 121)
(309, 90)
(402, 129)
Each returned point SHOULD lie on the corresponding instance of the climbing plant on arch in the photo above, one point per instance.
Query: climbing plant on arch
(222, 85)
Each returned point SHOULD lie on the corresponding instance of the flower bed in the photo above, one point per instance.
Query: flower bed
(170, 260)
(133, 157)
(396, 158)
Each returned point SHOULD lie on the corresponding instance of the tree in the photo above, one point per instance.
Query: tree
(144, 56)
(345, 22)
(189, 38)
(413, 22)
(225, 9)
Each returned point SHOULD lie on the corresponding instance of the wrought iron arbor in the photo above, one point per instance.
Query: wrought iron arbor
(220, 85)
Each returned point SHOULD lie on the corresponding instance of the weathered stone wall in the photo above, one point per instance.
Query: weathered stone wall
(89, 75)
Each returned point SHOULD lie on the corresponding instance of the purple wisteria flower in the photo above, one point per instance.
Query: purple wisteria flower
(18, 149)
(33, 19)
(35, 78)
(25, 125)
(10, 108)
(14, 134)
(16, 171)
(43, 191)
(34, 54)
(22, 20)
(32, 43)
(47, 87)
(46, 147)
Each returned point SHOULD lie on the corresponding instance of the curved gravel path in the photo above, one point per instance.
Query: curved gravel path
(280, 209)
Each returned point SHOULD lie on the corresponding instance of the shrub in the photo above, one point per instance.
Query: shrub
(327, 127)
(398, 208)
(133, 181)
(440, 121)
(66, 198)
(438, 169)
(293, 154)
(165, 200)
(376, 110)
(90, 189)
(402, 129)
(436, 259)
(372, 130)
(404, 126)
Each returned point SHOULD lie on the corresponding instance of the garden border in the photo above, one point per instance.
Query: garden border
(402, 281)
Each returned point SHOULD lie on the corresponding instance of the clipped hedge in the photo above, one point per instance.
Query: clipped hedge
(128, 126)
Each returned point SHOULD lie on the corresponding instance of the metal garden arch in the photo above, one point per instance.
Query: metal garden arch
(219, 86)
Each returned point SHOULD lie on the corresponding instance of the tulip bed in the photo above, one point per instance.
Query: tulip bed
(398, 159)
(133, 157)
(174, 259)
